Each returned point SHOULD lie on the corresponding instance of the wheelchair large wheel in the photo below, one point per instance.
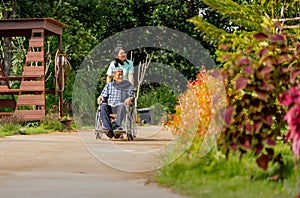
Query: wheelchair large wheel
(131, 129)
(98, 125)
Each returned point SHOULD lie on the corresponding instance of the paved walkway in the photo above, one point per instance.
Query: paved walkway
(77, 165)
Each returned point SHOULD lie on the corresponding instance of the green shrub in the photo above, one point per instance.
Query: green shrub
(9, 129)
(52, 122)
(12, 125)
(160, 94)
(9, 125)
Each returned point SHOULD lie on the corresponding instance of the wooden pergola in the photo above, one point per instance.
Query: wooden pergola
(31, 100)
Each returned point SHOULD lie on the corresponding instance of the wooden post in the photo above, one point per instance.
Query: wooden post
(60, 91)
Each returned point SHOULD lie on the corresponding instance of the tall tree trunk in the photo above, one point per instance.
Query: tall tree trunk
(7, 59)
(8, 11)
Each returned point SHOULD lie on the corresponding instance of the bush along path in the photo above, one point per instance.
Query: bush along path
(13, 125)
(257, 153)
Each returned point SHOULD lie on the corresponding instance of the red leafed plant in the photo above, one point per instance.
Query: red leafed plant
(291, 98)
(256, 77)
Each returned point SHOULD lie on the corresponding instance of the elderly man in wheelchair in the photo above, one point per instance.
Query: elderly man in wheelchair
(116, 97)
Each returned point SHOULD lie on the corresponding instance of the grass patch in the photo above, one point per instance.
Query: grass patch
(14, 126)
(212, 176)
(9, 130)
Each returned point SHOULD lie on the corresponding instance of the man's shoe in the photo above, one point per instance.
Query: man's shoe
(109, 133)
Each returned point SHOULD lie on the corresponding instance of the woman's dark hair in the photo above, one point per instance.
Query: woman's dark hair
(116, 50)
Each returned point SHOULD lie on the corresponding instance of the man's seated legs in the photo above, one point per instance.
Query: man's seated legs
(105, 111)
(121, 113)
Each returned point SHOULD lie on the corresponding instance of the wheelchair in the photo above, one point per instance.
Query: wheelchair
(129, 124)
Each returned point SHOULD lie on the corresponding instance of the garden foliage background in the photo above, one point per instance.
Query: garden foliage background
(254, 43)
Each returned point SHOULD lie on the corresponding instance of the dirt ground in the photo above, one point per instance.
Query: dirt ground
(75, 164)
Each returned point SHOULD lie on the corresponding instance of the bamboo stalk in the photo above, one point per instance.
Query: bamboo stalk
(291, 27)
(287, 19)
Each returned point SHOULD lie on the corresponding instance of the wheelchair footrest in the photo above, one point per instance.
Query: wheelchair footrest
(119, 131)
(100, 130)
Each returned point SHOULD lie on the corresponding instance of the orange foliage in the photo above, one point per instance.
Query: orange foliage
(194, 109)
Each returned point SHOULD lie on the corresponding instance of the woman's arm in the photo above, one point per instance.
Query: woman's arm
(109, 72)
(130, 78)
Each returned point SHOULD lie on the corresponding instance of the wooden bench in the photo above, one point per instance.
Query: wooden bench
(36, 42)
(4, 90)
(31, 86)
(35, 57)
(11, 78)
(27, 100)
(31, 115)
(33, 71)
(7, 103)
(6, 114)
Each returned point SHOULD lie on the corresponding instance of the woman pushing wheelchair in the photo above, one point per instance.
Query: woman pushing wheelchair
(116, 96)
